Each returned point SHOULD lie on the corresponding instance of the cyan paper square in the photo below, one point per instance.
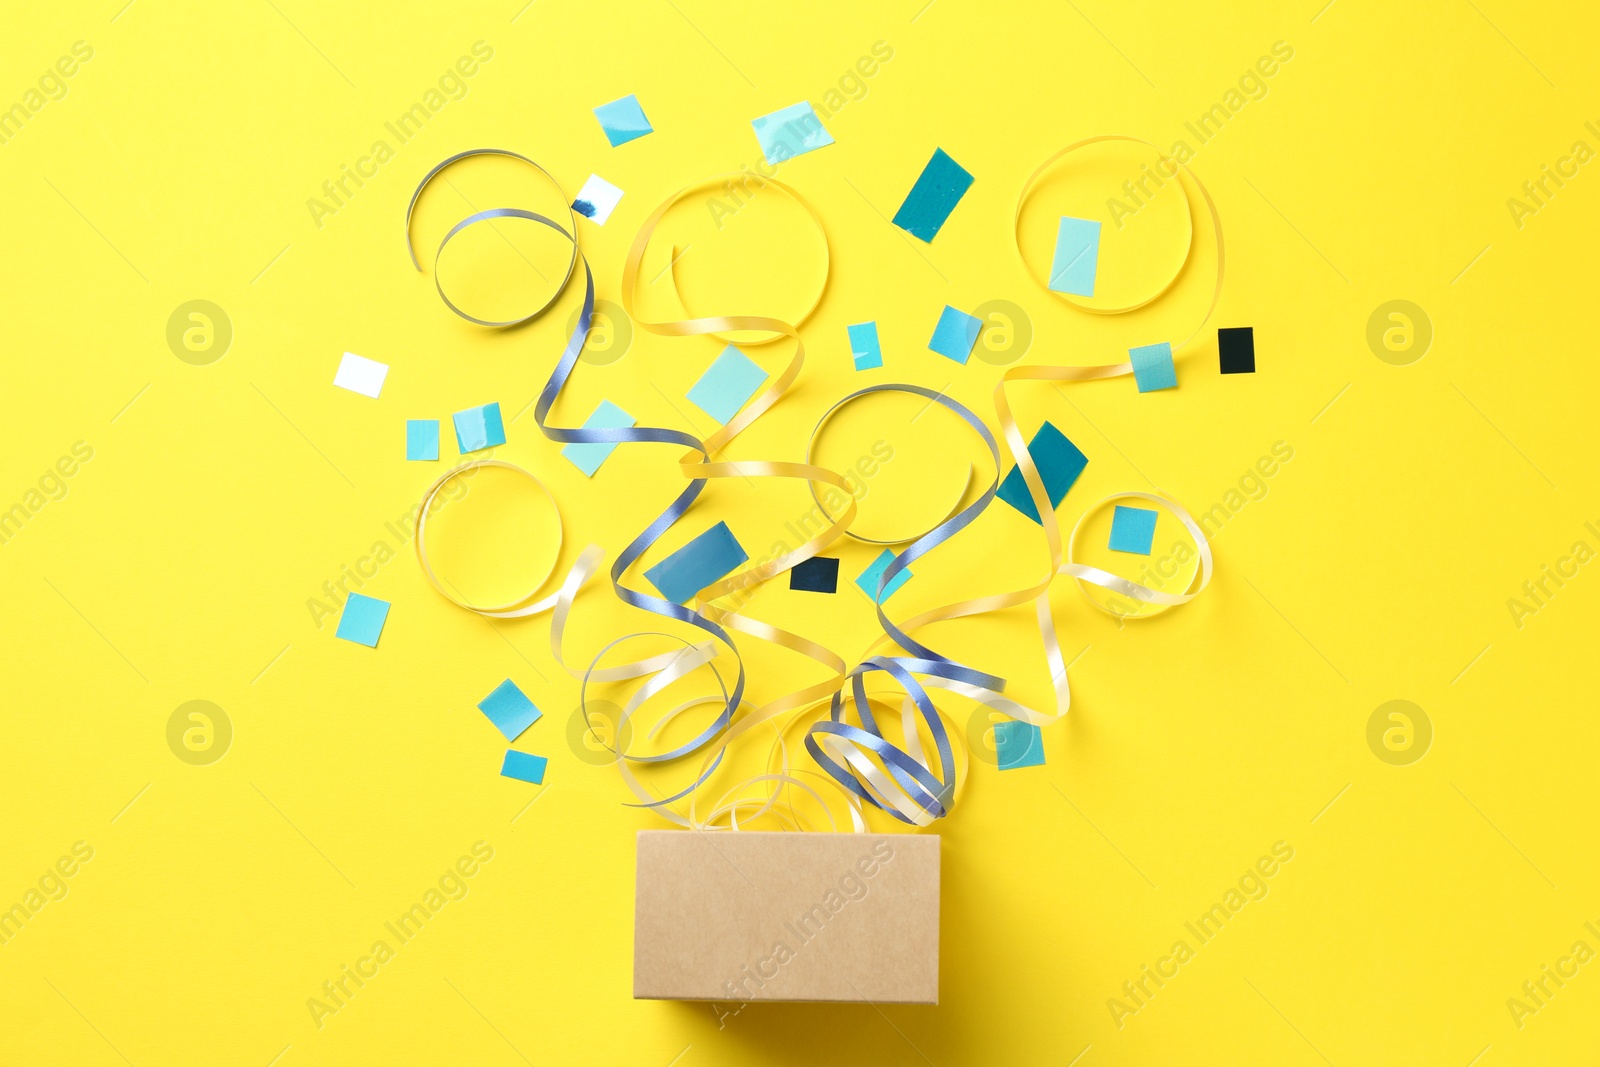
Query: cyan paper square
(1152, 367)
(864, 345)
(955, 335)
(727, 385)
(422, 439)
(523, 766)
(868, 581)
(697, 564)
(587, 457)
(1018, 744)
(509, 709)
(479, 428)
(939, 188)
(362, 619)
(623, 120)
(1059, 463)
(1132, 530)
(1077, 256)
(792, 131)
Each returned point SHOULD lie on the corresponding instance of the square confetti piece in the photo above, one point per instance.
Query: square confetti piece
(1132, 530)
(479, 428)
(864, 345)
(597, 199)
(819, 574)
(623, 120)
(422, 439)
(1018, 744)
(1236, 347)
(1059, 462)
(1152, 367)
(509, 709)
(939, 188)
(789, 132)
(727, 385)
(523, 766)
(361, 375)
(868, 581)
(588, 456)
(362, 620)
(697, 564)
(955, 335)
(1077, 254)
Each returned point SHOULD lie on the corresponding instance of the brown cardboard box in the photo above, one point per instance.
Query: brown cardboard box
(787, 916)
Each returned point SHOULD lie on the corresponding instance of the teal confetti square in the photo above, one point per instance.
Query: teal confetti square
(869, 579)
(1133, 530)
(362, 620)
(509, 709)
(1059, 463)
(1018, 744)
(939, 188)
(684, 573)
(479, 428)
(1152, 367)
(422, 439)
(524, 766)
(864, 346)
(955, 335)
(623, 120)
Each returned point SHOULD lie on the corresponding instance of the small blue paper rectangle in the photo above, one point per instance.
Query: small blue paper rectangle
(509, 709)
(792, 131)
(727, 385)
(1132, 530)
(697, 564)
(1077, 256)
(955, 335)
(422, 439)
(864, 345)
(588, 456)
(1059, 463)
(362, 620)
(479, 428)
(938, 190)
(523, 766)
(623, 120)
(869, 578)
(1152, 367)
(1018, 744)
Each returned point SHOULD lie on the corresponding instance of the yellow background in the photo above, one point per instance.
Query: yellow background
(1377, 566)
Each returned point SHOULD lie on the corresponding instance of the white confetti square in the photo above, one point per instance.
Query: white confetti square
(361, 375)
(597, 199)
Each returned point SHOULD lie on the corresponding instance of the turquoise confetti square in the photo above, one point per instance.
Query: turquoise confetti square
(362, 620)
(864, 345)
(479, 428)
(789, 132)
(1152, 367)
(509, 709)
(1018, 744)
(955, 335)
(1132, 530)
(727, 385)
(422, 439)
(524, 766)
(623, 120)
(939, 188)
(1059, 463)
(869, 579)
(587, 457)
(1077, 256)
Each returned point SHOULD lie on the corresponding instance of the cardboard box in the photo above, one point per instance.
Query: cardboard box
(749, 916)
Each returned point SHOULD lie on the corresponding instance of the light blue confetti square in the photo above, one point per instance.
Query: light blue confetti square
(1077, 256)
(1132, 530)
(623, 120)
(479, 428)
(587, 457)
(362, 620)
(509, 709)
(868, 581)
(523, 766)
(1018, 744)
(864, 345)
(727, 385)
(422, 439)
(955, 335)
(789, 132)
(1152, 367)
